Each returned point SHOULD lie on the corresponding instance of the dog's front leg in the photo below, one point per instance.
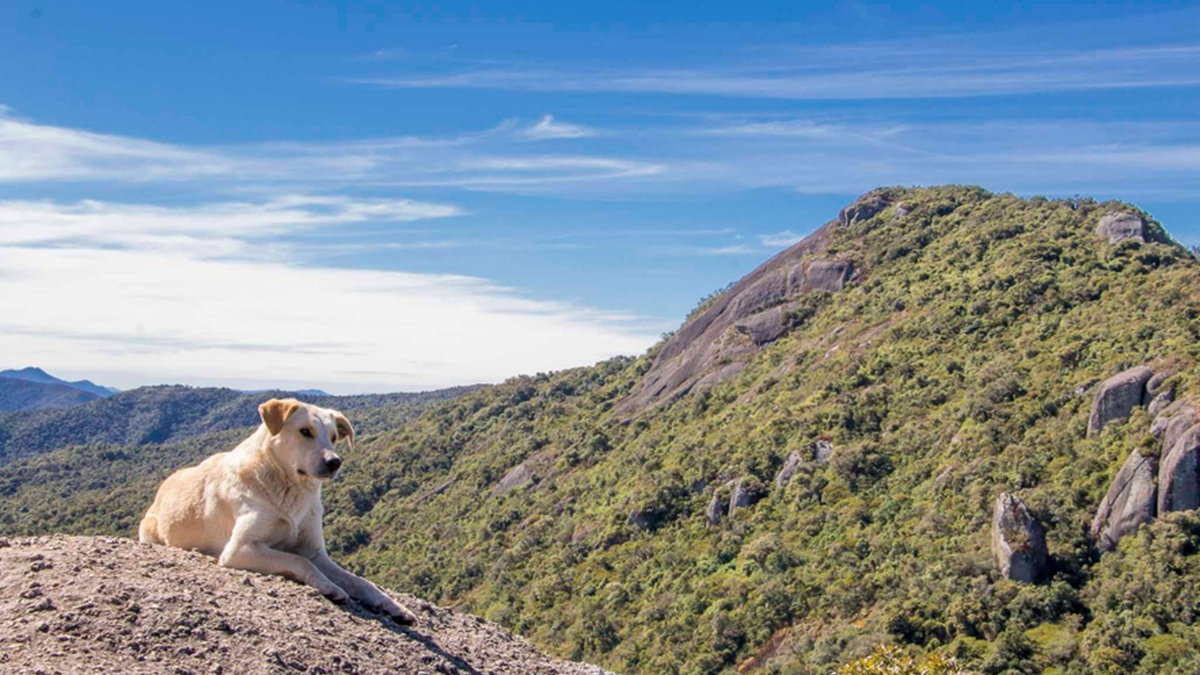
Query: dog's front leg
(245, 551)
(362, 590)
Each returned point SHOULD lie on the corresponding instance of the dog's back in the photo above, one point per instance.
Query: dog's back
(182, 514)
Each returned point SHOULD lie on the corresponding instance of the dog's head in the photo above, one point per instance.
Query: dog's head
(303, 436)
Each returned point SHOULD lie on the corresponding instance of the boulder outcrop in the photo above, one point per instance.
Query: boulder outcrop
(1117, 226)
(1117, 396)
(1131, 501)
(791, 465)
(1179, 474)
(1018, 540)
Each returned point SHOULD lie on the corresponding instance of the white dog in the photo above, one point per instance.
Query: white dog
(258, 507)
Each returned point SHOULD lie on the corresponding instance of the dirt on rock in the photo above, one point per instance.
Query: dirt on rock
(106, 605)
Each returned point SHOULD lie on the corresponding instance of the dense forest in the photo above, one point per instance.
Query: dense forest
(818, 491)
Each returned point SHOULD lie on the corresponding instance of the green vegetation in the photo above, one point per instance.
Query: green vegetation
(165, 414)
(945, 374)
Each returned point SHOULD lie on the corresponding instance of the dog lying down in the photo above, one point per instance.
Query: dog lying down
(258, 506)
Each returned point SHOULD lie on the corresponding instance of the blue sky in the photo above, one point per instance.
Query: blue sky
(374, 196)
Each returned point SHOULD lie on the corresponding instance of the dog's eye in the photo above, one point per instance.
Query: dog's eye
(306, 432)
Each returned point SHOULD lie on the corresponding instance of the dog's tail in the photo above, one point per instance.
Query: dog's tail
(148, 531)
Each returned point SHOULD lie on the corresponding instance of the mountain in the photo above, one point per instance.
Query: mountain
(16, 394)
(32, 374)
(169, 413)
(91, 605)
(951, 421)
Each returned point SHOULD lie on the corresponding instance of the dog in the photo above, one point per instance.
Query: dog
(258, 506)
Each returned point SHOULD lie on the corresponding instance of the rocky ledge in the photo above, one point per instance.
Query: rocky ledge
(101, 605)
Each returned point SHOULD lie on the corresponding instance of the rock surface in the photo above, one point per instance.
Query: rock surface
(715, 344)
(791, 465)
(1131, 501)
(1018, 540)
(1117, 397)
(93, 605)
(1121, 225)
(1179, 474)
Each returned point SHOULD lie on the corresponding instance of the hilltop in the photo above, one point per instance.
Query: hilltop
(102, 605)
(941, 422)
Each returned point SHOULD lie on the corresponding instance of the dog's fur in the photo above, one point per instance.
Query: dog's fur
(258, 507)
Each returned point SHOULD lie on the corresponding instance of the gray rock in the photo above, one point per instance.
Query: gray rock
(714, 511)
(1171, 423)
(1156, 382)
(828, 275)
(901, 210)
(1018, 540)
(1179, 475)
(1118, 226)
(1131, 501)
(519, 475)
(1117, 397)
(790, 466)
(765, 326)
(1083, 388)
(1160, 401)
(739, 497)
(863, 209)
(822, 451)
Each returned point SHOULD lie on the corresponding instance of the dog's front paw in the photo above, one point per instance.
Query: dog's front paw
(335, 594)
(398, 612)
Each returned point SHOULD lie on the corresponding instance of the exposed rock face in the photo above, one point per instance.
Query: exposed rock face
(517, 476)
(98, 605)
(1118, 396)
(863, 208)
(1130, 502)
(1171, 423)
(714, 511)
(715, 344)
(822, 451)
(739, 497)
(1121, 225)
(1018, 540)
(1179, 475)
(1160, 402)
(790, 466)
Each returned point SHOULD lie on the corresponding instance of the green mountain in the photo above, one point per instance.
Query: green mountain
(925, 425)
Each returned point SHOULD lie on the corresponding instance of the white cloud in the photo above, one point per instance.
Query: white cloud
(548, 129)
(105, 223)
(496, 159)
(780, 239)
(901, 70)
(218, 308)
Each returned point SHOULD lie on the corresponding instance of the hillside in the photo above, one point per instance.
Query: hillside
(18, 394)
(107, 469)
(654, 529)
(869, 440)
(89, 605)
(170, 413)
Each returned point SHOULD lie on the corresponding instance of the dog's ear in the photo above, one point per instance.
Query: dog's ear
(344, 429)
(276, 411)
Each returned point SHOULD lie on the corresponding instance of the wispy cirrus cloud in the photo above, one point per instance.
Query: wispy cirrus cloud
(549, 128)
(958, 68)
(780, 239)
(495, 159)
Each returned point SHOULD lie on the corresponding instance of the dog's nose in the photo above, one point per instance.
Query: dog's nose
(333, 464)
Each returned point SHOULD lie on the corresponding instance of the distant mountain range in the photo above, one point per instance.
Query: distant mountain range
(33, 388)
